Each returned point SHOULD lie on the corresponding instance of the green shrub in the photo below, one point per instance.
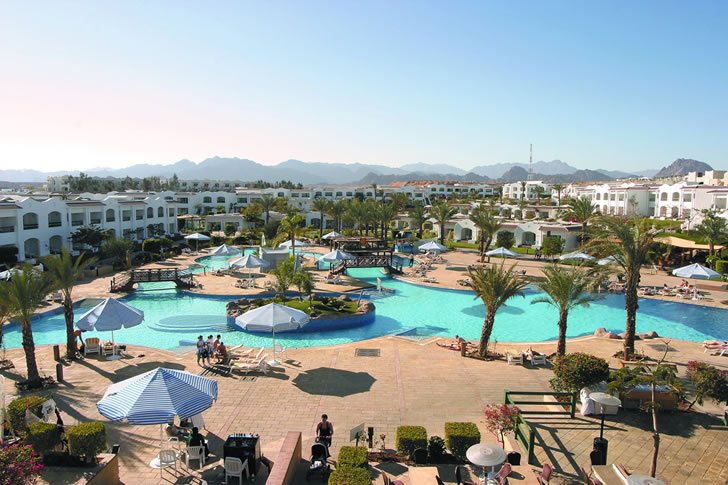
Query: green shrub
(43, 437)
(355, 456)
(721, 266)
(436, 447)
(87, 439)
(350, 476)
(409, 438)
(461, 436)
(505, 239)
(576, 371)
(16, 411)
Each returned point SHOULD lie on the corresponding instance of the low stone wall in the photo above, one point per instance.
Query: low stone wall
(287, 460)
(107, 471)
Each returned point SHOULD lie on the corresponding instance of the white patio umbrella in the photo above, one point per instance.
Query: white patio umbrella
(332, 235)
(432, 246)
(156, 397)
(485, 454)
(224, 250)
(287, 244)
(607, 260)
(696, 271)
(336, 255)
(249, 261)
(576, 255)
(197, 237)
(272, 317)
(501, 253)
(110, 315)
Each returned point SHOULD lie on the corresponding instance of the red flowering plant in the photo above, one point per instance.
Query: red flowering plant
(501, 418)
(708, 381)
(578, 370)
(19, 465)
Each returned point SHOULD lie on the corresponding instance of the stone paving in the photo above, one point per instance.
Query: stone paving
(410, 383)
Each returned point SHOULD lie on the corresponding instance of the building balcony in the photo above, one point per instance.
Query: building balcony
(110, 219)
(30, 226)
(126, 218)
(55, 224)
(7, 229)
(95, 221)
(76, 223)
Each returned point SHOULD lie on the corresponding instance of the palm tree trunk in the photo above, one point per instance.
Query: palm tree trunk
(487, 330)
(583, 233)
(29, 348)
(655, 435)
(561, 348)
(487, 245)
(442, 233)
(70, 338)
(293, 244)
(631, 305)
(321, 226)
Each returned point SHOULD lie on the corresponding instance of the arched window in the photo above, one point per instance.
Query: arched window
(110, 215)
(675, 196)
(150, 213)
(675, 212)
(160, 212)
(30, 221)
(221, 200)
(54, 219)
(663, 196)
(207, 200)
(663, 211)
(599, 196)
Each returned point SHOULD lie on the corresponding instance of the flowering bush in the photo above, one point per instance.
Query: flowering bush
(578, 370)
(708, 381)
(501, 418)
(19, 465)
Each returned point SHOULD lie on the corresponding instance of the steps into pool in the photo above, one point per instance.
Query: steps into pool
(192, 324)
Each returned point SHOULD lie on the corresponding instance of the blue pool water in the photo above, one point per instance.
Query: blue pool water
(171, 316)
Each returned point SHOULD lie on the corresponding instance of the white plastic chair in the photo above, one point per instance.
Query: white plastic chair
(514, 358)
(235, 468)
(538, 359)
(167, 458)
(92, 346)
(195, 453)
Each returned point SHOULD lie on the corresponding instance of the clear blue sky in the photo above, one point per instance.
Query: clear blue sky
(617, 85)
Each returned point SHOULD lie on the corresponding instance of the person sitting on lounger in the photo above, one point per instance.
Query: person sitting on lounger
(221, 352)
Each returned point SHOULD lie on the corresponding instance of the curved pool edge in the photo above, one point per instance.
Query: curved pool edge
(323, 324)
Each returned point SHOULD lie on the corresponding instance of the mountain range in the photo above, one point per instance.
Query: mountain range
(309, 173)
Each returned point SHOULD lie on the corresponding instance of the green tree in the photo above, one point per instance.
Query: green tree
(268, 203)
(505, 239)
(321, 206)
(304, 282)
(253, 212)
(91, 235)
(419, 215)
(117, 249)
(558, 188)
(539, 192)
(552, 245)
(442, 212)
(229, 229)
(581, 210)
(523, 189)
(629, 243)
(360, 214)
(385, 214)
(65, 273)
(713, 228)
(284, 275)
(399, 200)
(488, 225)
(281, 204)
(291, 226)
(566, 289)
(26, 292)
(495, 285)
(337, 210)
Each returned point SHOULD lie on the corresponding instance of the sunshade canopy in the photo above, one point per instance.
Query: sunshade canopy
(502, 252)
(197, 237)
(271, 317)
(110, 315)
(332, 235)
(484, 454)
(432, 246)
(336, 255)
(576, 255)
(696, 271)
(224, 250)
(287, 244)
(249, 261)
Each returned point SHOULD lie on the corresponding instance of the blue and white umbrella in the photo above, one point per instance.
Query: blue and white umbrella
(502, 253)
(332, 235)
(156, 397)
(271, 318)
(576, 255)
(224, 250)
(696, 271)
(110, 315)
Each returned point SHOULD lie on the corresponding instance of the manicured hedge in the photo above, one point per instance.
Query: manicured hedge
(350, 476)
(721, 266)
(355, 456)
(43, 437)
(409, 438)
(87, 439)
(16, 411)
(461, 436)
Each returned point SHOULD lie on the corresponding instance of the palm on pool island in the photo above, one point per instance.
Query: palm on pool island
(495, 285)
(566, 289)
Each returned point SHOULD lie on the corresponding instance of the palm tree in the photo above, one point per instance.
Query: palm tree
(26, 292)
(487, 224)
(558, 188)
(399, 200)
(419, 216)
(372, 215)
(495, 285)
(321, 206)
(713, 228)
(628, 242)
(304, 283)
(566, 289)
(360, 214)
(337, 210)
(291, 226)
(442, 212)
(523, 190)
(268, 203)
(539, 192)
(386, 215)
(65, 273)
(581, 210)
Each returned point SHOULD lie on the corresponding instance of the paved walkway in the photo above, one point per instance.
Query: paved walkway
(415, 383)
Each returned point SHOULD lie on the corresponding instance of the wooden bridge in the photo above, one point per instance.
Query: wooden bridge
(182, 279)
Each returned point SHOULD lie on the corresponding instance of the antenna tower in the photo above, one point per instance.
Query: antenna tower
(530, 164)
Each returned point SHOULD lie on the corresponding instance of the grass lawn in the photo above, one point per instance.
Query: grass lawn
(349, 306)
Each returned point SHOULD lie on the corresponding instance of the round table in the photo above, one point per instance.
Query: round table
(604, 399)
(485, 454)
(643, 480)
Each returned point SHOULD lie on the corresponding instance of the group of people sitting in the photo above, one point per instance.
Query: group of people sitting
(193, 438)
(685, 290)
(207, 349)
(245, 283)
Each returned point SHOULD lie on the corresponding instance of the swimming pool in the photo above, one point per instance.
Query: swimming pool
(171, 316)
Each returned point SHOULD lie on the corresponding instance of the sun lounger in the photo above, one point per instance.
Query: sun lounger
(537, 359)
(92, 346)
(246, 354)
(257, 365)
(514, 358)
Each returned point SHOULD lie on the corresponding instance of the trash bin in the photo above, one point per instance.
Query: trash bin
(514, 458)
(599, 455)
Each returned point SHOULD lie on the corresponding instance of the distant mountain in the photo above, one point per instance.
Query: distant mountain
(385, 179)
(554, 167)
(514, 174)
(432, 168)
(578, 176)
(682, 166)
